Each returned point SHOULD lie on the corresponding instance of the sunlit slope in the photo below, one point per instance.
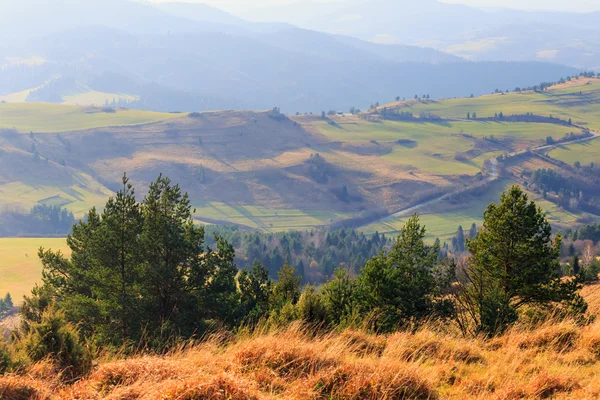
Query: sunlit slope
(46, 117)
(577, 100)
(585, 153)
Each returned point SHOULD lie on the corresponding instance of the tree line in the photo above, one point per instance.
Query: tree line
(314, 254)
(143, 274)
(42, 219)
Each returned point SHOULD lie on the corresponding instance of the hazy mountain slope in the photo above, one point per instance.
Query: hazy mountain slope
(174, 63)
(229, 71)
(509, 35)
(401, 53)
(43, 17)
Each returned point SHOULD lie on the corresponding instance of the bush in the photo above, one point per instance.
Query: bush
(54, 338)
(311, 307)
(6, 362)
(590, 274)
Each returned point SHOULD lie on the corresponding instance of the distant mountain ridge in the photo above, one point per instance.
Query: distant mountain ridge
(569, 38)
(187, 57)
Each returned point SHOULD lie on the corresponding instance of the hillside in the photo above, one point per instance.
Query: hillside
(266, 171)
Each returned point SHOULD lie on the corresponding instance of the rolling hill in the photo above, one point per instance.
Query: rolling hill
(264, 170)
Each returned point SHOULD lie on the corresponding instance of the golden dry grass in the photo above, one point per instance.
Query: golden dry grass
(557, 360)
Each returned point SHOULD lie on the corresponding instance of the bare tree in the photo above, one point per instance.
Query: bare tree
(589, 254)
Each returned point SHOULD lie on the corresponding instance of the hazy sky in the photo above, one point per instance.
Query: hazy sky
(571, 5)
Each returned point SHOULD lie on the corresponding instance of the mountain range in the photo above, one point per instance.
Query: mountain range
(189, 56)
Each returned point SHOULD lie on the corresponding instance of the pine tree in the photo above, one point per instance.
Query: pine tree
(514, 263)
(473, 231)
(398, 286)
(339, 294)
(287, 289)
(172, 245)
(255, 287)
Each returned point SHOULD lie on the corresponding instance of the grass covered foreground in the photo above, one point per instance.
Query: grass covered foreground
(551, 361)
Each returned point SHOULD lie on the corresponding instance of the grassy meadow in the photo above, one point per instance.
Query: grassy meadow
(576, 100)
(77, 196)
(585, 153)
(20, 268)
(554, 360)
(52, 118)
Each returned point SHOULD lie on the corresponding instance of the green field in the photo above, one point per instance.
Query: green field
(576, 102)
(427, 133)
(79, 197)
(444, 224)
(20, 268)
(432, 147)
(94, 98)
(44, 117)
(266, 219)
(585, 153)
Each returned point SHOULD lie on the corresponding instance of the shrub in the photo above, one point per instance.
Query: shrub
(6, 359)
(311, 307)
(53, 337)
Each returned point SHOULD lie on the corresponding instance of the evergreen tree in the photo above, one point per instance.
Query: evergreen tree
(339, 294)
(172, 245)
(287, 289)
(515, 262)
(398, 286)
(575, 265)
(255, 287)
(473, 231)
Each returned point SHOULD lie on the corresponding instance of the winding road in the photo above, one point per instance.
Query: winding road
(492, 177)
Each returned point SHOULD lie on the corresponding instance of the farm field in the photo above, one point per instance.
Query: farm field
(585, 153)
(266, 219)
(20, 268)
(52, 118)
(254, 169)
(95, 98)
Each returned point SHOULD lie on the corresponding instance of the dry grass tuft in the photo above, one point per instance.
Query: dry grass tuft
(293, 359)
(364, 344)
(23, 388)
(360, 381)
(427, 345)
(556, 360)
(561, 337)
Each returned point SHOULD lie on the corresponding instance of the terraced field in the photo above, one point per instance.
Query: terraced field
(254, 168)
(267, 219)
(78, 196)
